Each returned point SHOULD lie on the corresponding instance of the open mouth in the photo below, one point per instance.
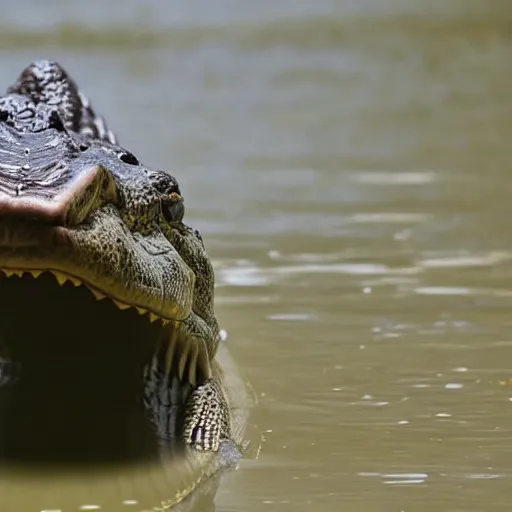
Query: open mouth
(82, 379)
(50, 321)
(74, 380)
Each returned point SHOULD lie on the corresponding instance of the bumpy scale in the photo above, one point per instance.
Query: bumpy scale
(45, 97)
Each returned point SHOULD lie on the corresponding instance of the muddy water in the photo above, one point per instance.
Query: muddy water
(348, 164)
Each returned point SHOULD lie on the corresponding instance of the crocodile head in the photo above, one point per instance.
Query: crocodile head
(97, 266)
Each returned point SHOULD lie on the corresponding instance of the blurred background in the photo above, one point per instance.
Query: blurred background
(348, 165)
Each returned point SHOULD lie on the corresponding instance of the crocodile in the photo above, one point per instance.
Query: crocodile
(106, 295)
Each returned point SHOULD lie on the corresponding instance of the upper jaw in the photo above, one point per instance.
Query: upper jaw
(104, 256)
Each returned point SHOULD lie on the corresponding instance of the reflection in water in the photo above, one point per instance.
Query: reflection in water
(347, 163)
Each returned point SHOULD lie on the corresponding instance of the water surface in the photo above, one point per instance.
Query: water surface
(348, 165)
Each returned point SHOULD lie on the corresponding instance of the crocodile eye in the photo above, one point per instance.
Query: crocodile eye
(128, 158)
(173, 207)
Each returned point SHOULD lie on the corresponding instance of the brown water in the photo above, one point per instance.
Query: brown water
(348, 164)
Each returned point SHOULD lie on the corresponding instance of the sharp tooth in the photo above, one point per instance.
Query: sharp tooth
(8, 273)
(183, 360)
(169, 355)
(18, 273)
(75, 281)
(176, 398)
(120, 305)
(141, 311)
(203, 363)
(165, 321)
(97, 294)
(61, 278)
(153, 317)
(36, 273)
(192, 364)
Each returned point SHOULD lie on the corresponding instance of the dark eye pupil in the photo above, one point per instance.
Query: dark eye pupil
(129, 158)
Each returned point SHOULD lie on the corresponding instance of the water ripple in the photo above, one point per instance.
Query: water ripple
(393, 178)
(465, 260)
(398, 478)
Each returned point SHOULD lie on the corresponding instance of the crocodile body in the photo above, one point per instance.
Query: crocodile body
(94, 252)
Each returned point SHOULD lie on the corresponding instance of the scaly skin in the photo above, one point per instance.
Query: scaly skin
(75, 204)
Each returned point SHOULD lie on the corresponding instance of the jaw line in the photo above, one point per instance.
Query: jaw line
(63, 278)
(74, 254)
